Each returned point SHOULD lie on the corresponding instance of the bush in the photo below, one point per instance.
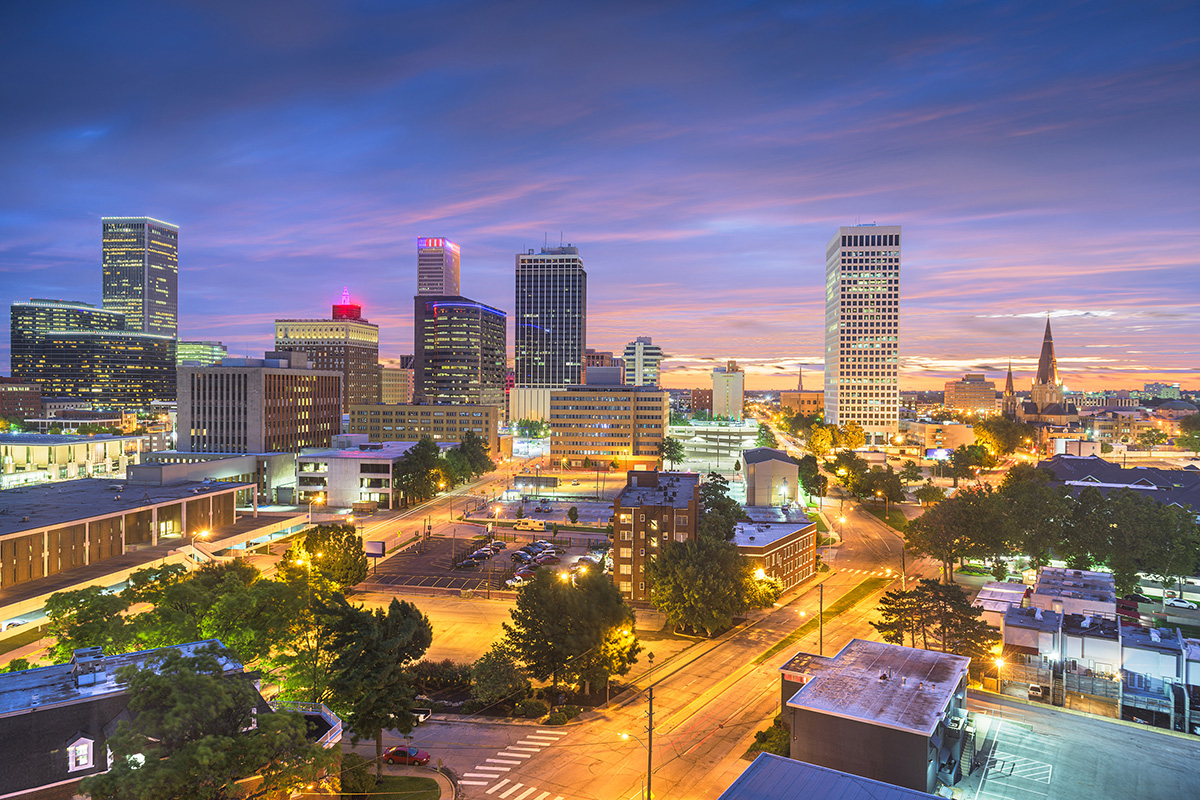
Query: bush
(357, 774)
(775, 739)
(532, 709)
(433, 675)
(472, 707)
(557, 718)
(571, 712)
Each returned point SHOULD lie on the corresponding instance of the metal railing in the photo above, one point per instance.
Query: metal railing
(334, 734)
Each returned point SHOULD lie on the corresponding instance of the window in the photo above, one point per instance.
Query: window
(627, 569)
(626, 552)
(626, 586)
(79, 754)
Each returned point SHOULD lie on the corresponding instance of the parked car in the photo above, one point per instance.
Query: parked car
(581, 565)
(405, 755)
(522, 557)
(553, 559)
(532, 549)
(574, 483)
(497, 545)
(1179, 602)
(481, 555)
(544, 543)
(1138, 598)
(1035, 692)
(517, 581)
(468, 563)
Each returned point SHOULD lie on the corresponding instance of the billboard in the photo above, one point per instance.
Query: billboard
(373, 549)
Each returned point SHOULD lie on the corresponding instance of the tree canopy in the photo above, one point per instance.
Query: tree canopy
(670, 449)
(718, 511)
(935, 616)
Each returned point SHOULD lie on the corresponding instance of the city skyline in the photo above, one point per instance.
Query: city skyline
(698, 157)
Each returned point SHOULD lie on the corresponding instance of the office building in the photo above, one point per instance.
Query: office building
(974, 394)
(862, 329)
(597, 358)
(437, 267)
(140, 259)
(601, 424)
(345, 343)
(258, 405)
(701, 401)
(28, 458)
(460, 351)
(357, 472)
(199, 354)
(551, 318)
(396, 382)
(268, 477)
(728, 392)
(652, 509)
(642, 359)
(124, 370)
(19, 398)
(927, 436)
(443, 423)
(785, 551)
(882, 711)
(1162, 391)
(31, 321)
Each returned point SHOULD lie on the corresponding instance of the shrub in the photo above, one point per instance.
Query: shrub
(532, 708)
(435, 675)
(557, 718)
(570, 712)
(472, 707)
(357, 774)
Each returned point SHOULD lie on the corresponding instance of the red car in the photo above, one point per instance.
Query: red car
(547, 559)
(406, 755)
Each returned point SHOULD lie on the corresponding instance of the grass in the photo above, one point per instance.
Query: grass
(406, 787)
(29, 636)
(838, 607)
(826, 541)
(895, 519)
(821, 526)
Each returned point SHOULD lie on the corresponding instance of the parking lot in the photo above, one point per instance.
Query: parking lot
(1033, 752)
(590, 512)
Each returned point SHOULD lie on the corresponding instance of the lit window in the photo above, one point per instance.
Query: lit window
(79, 755)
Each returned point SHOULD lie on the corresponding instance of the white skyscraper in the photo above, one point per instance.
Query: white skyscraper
(642, 359)
(862, 329)
(437, 267)
(729, 391)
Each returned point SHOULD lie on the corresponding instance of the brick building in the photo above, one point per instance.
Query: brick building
(653, 508)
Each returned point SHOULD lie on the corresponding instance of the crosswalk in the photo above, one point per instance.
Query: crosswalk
(499, 772)
(877, 572)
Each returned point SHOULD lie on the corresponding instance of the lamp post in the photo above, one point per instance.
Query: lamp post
(196, 553)
(317, 500)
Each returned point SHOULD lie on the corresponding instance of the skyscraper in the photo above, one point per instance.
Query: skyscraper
(140, 257)
(31, 321)
(551, 325)
(346, 343)
(459, 351)
(437, 267)
(642, 359)
(729, 391)
(862, 329)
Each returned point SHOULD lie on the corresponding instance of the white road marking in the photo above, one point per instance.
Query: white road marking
(502, 761)
(524, 794)
(514, 788)
(479, 775)
(501, 769)
(472, 783)
(496, 788)
(525, 749)
(514, 755)
(531, 741)
(543, 796)
(541, 739)
(552, 733)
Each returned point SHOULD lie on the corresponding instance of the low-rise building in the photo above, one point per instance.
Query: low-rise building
(653, 508)
(443, 423)
(601, 424)
(273, 473)
(28, 458)
(360, 472)
(994, 600)
(772, 477)
(803, 402)
(717, 442)
(973, 394)
(1075, 591)
(772, 777)
(784, 551)
(882, 711)
(926, 435)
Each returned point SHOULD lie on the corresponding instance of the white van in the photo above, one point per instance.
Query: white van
(529, 525)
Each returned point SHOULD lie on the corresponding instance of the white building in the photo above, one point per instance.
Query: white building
(642, 359)
(729, 391)
(437, 266)
(862, 329)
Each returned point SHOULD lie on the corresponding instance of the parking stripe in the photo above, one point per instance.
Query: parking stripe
(496, 788)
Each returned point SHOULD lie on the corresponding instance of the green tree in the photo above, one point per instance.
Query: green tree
(703, 583)
(719, 512)
(819, 441)
(193, 733)
(882, 482)
(533, 428)
(373, 649)
(573, 514)
(928, 494)
(766, 437)
(850, 470)
(1149, 439)
(565, 630)
(89, 617)
(476, 451)
(850, 436)
(943, 532)
(1001, 435)
(343, 561)
(355, 775)
(809, 472)
(496, 676)
(670, 450)
(1036, 512)
(911, 472)
(416, 476)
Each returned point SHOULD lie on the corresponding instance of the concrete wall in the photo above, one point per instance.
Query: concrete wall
(859, 748)
(771, 483)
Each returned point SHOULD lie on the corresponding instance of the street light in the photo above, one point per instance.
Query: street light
(196, 553)
(317, 500)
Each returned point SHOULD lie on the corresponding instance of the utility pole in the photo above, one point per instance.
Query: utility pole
(821, 619)
(650, 744)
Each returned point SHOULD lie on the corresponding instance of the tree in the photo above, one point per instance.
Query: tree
(355, 776)
(1036, 512)
(882, 482)
(809, 473)
(472, 446)
(193, 733)
(851, 470)
(819, 441)
(1001, 435)
(533, 428)
(703, 583)
(670, 449)
(766, 437)
(737, 465)
(928, 494)
(1149, 439)
(89, 617)
(564, 630)
(573, 514)
(370, 681)
(943, 532)
(911, 472)
(850, 436)
(718, 511)
(496, 676)
(418, 474)
(938, 614)
(343, 561)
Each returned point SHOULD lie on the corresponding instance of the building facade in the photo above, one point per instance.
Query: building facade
(642, 359)
(442, 423)
(973, 394)
(460, 351)
(31, 321)
(654, 508)
(438, 262)
(28, 458)
(140, 258)
(345, 343)
(396, 384)
(862, 329)
(19, 398)
(123, 370)
(772, 477)
(803, 402)
(258, 405)
(785, 552)
(601, 424)
(199, 354)
(347, 475)
(728, 392)
(551, 318)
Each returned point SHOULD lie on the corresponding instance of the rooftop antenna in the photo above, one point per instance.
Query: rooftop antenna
(560, 238)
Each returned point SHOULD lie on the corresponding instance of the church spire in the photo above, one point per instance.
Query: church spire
(1008, 383)
(1047, 373)
(800, 384)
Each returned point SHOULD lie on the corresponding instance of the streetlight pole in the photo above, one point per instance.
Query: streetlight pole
(196, 553)
(650, 744)
(821, 619)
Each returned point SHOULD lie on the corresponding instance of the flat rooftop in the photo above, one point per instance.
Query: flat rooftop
(772, 777)
(56, 685)
(898, 687)
(49, 504)
(765, 534)
(1167, 641)
(1095, 627)
(49, 439)
(1033, 618)
(674, 489)
(793, 515)
(998, 597)
(372, 450)
(1076, 583)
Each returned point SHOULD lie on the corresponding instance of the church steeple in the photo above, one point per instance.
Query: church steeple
(1047, 373)
(1008, 383)
(800, 384)
(1009, 403)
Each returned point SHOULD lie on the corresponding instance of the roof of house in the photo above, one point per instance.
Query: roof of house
(765, 534)
(758, 455)
(1037, 619)
(772, 777)
(898, 687)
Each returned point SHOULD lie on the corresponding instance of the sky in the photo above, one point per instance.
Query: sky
(1042, 158)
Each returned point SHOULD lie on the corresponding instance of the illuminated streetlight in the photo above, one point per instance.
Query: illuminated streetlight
(760, 573)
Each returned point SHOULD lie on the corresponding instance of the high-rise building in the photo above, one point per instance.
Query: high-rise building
(125, 370)
(974, 394)
(200, 354)
(600, 424)
(140, 258)
(862, 329)
(459, 351)
(31, 321)
(437, 267)
(551, 323)
(728, 392)
(642, 359)
(597, 358)
(346, 343)
(258, 405)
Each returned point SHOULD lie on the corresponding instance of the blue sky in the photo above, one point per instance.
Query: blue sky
(1041, 157)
